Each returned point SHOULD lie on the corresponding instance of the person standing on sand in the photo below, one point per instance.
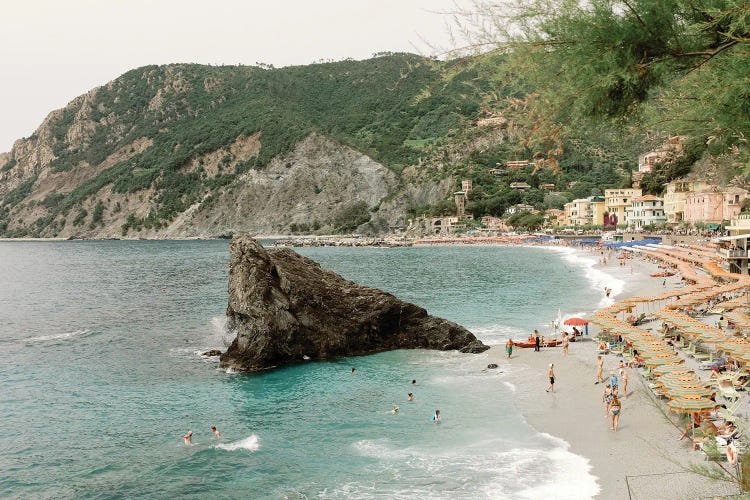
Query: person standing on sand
(566, 343)
(599, 369)
(509, 347)
(551, 375)
(536, 340)
(614, 408)
(613, 382)
(624, 377)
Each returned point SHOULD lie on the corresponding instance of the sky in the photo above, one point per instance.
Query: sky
(51, 51)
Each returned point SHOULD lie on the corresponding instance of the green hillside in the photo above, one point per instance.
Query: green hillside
(399, 109)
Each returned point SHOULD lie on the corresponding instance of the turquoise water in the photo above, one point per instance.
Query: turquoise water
(100, 374)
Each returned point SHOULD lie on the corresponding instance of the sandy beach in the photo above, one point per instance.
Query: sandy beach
(644, 459)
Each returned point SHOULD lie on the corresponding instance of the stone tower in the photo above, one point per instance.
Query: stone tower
(460, 197)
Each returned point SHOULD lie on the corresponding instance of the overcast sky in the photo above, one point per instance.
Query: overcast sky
(54, 50)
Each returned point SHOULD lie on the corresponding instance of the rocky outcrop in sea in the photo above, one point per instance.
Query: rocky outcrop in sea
(284, 308)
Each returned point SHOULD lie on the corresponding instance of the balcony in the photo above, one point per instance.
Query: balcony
(733, 253)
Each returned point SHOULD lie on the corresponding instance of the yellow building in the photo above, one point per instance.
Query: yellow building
(597, 210)
(675, 194)
(617, 201)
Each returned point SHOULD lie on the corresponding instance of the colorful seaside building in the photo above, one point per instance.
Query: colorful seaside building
(617, 201)
(646, 211)
(712, 206)
(598, 209)
(554, 217)
(734, 250)
(675, 193)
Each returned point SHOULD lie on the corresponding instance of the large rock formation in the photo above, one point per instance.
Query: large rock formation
(286, 308)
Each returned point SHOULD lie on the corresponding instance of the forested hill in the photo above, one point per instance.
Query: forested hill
(192, 150)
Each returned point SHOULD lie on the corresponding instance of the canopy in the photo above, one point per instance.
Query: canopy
(691, 405)
(575, 322)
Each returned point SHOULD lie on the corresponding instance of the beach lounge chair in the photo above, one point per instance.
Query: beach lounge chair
(727, 391)
(702, 355)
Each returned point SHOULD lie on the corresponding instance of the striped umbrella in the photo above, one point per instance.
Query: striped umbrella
(666, 360)
(665, 369)
(691, 405)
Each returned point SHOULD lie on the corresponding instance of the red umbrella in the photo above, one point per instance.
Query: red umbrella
(576, 322)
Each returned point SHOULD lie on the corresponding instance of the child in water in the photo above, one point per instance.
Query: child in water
(188, 438)
(436, 416)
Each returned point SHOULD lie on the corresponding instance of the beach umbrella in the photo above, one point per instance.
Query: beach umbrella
(691, 405)
(578, 322)
(662, 370)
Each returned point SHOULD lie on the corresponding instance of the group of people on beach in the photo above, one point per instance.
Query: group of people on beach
(188, 437)
(611, 396)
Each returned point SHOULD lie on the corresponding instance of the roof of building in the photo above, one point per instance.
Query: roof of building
(649, 197)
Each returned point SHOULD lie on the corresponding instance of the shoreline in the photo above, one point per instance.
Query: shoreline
(644, 455)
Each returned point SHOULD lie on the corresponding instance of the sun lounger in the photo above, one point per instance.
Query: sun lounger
(727, 391)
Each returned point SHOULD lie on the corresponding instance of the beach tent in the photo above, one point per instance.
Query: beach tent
(578, 322)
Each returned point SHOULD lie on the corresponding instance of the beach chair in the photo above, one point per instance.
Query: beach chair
(702, 355)
(690, 351)
(727, 391)
(618, 349)
(730, 412)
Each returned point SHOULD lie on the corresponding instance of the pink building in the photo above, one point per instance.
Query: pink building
(704, 206)
(732, 204)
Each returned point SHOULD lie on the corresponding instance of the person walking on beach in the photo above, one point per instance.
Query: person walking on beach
(599, 369)
(551, 375)
(613, 382)
(624, 377)
(509, 347)
(607, 399)
(536, 340)
(566, 343)
(188, 438)
(614, 408)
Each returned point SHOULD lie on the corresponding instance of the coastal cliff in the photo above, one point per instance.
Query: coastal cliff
(285, 308)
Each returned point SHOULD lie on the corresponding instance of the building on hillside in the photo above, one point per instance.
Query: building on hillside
(675, 193)
(617, 201)
(554, 217)
(520, 207)
(517, 164)
(520, 186)
(732, 204)
(495, 223)
(496, 171)
(704, 206)
(668, 151)
(466, 186)
(547, 186)
(460, 198)
(646, 211)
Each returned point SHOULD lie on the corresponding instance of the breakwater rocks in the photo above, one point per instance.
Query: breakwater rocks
(285, 308)
(323, 241)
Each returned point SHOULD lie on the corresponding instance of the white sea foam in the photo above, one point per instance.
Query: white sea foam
(599, 279)
(486, 470)
(58, 336)
(250, 443)
(497, 334)
(510, 386)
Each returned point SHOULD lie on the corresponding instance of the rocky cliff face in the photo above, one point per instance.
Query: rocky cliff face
(285, 308)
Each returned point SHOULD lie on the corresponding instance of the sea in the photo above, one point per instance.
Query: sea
(101, 373)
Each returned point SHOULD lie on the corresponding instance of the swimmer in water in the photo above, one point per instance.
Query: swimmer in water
(395, 409)
(413, 382)
(411, 397)
(436, 416)
(353, 369)
(217, 434)
(188, 438)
